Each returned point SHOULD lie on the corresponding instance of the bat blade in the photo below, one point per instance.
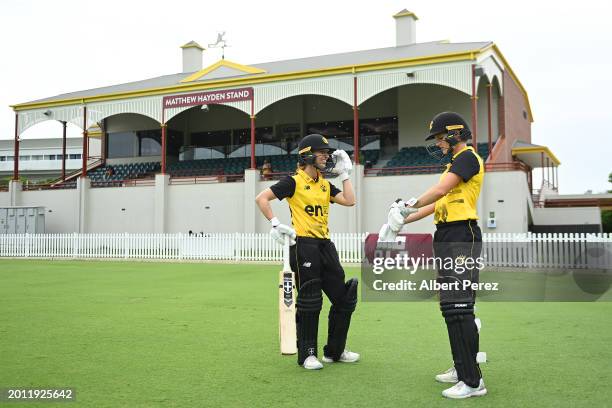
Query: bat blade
(286, 310)
(286, 307)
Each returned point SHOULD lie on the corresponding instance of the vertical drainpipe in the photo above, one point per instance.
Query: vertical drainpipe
(85, 144)
(542, 162)
(355, 122)
(104, 142)
(16, 149)
(253, 164)
(164, 125)
(489, 121)
(63, 150)
(474, 110)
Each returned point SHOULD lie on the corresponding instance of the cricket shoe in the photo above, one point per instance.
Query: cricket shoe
(449, 376)
(346, 357)
(461, 390)
(312, 363)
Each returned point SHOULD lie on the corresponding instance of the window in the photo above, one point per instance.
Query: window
(2, 158)
(37, 157)
(24, 158)
(58, 157)
(150, 142)
(9, 158)
(122, 144)
(74, 156)
(50, 157)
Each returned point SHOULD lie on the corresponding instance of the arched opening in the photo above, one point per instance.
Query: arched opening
(405, 113)
(496, 108)
(488, 115)
(131, 136)
(41, 153)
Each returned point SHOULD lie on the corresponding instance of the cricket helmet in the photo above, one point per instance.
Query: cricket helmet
(311, 143)
(452, 127)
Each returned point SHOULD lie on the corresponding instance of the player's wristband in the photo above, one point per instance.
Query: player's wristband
(274, 222)
(343, 176)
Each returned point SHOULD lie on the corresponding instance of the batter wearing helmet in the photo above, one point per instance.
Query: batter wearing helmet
(452, 201)
(313, 256)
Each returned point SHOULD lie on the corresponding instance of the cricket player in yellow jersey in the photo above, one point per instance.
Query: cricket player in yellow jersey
(313, 256)
(452, 201)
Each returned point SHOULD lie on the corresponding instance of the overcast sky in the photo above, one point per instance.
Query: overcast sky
(560, 52)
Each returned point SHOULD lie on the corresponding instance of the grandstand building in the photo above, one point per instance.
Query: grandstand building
(182, 152)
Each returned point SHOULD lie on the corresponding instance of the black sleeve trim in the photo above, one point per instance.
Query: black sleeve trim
(466, 166)
(333, 190)
(284, 188)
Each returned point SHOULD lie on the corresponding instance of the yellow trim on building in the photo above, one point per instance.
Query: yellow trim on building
(222, 63)
(514, 77)
(249, 80)
(405, 13)
(185, 86)
(537, 149)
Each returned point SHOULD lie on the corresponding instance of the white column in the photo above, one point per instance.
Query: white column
(161, 190)
(355, 213)
(83, 186)
(251, 189)
(15, 188)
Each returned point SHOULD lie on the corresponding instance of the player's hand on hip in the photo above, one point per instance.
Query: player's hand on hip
(344, 166)
(279, 231)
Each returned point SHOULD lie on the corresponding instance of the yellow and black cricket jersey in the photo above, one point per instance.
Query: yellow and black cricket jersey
(459, 204)
(308, 201)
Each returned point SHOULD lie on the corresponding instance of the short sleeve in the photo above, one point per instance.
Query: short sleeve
(333, 190)
(284, 188)
(466, 166)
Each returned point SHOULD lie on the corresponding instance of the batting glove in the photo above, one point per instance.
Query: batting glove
(386, 234)
(279, 231)
(344, 166)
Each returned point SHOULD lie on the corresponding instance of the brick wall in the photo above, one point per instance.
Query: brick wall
(513, 118)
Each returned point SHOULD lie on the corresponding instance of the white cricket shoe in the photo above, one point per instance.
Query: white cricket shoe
(312, 363)
(461, 390)
(346, 357)
(449, 376)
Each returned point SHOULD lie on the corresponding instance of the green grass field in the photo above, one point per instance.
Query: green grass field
(205, 335)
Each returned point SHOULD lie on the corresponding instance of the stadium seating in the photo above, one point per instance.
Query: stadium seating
(418, 156)
(204, 167)
(123, 171)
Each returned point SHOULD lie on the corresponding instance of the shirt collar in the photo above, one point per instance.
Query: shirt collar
(306, 177)
(461, 151)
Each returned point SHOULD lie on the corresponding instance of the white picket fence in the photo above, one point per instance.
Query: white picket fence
(507, 250)
(223, 247)
(563, 250)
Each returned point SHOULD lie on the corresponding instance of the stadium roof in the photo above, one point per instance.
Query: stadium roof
(439, 51)
(533, 155)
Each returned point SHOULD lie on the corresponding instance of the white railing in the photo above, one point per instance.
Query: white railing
(562, 250)
(218, 246)
(503, 250)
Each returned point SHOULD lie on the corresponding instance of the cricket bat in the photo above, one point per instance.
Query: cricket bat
(286, 305)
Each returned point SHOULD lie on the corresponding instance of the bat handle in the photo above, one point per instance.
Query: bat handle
(286, 266)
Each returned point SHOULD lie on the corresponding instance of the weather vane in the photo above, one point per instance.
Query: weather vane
(221, 43)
